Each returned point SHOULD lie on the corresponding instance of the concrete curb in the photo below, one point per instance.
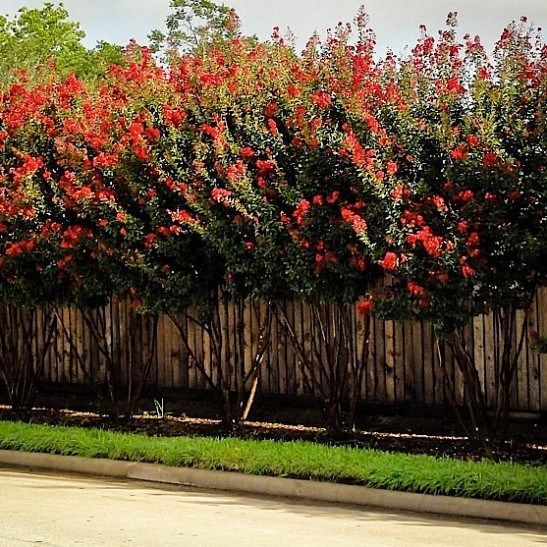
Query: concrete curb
(518, 513)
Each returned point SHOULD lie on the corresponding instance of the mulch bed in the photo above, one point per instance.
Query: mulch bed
(381, 433)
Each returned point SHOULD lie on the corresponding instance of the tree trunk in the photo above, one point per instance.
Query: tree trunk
(330, 360)
(26, 336)
(480, 427)
(234, 407)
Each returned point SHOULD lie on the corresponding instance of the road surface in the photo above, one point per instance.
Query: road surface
(43, 509)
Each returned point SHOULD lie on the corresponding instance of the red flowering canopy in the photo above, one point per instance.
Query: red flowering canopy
(62, 225)
(471, 199)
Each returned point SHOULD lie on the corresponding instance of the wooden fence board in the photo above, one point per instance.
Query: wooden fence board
(542, 330)
(418, 379)
(389, 360)
(521, 379)
(398, 357)
(533, 358)
(380, 361)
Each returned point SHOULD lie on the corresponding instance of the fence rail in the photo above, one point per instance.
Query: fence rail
(403, 361)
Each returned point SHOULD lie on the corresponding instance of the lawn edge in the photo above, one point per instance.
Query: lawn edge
(517, 513)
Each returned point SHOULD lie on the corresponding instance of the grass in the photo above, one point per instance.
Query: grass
(373, 468)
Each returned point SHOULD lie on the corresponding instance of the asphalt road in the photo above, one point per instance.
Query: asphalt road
(42, 509)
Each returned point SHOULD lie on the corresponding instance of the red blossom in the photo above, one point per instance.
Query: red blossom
(293, 91)
(391, 167)
(432, 244)
(462, 226)
(301, 211)
(210, 131)
(473, 141)
(390, 262)
(265, 166)
(454, 86)
(459, 153)
(358, 223)
(401, 191)
(149, 240)
(464, 196)
(141, 152)
(271, 110)
(473, 240)
(410, 218)
(152, 134)
(490, 159)
(173, 116)
(322, 99)
(20, 247)
(415, 289)
(439, 203)
(223, 196)
(73, 235)
(236, 171)
(365, 306)
(467, 271)
(318, 200)
(182, 216)
(246, 152)
(272, 126)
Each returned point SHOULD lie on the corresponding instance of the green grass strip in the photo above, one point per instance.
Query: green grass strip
(305, 460)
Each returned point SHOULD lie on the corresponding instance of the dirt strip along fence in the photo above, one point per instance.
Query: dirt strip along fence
(403, 360)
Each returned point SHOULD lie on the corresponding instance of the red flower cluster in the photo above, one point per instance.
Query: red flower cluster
(390, 262)
(365, 306)
(358, 223)
(433, 245)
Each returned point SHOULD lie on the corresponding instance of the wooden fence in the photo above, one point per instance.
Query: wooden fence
(403, 362)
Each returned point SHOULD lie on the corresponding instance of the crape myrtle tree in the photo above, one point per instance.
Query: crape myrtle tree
(212, 239)
(26, 282)
(242, 165)
(262, 156)
(338, 164)
(470, 237)
(238, 193)
(103, 147)
(51, 241)
(172, 268)
(62, 150)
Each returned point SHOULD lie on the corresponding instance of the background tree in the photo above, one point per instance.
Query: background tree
(35, 38)
(193, 25)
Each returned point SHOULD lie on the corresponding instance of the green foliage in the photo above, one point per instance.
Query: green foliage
(34, 38)
(304, 460)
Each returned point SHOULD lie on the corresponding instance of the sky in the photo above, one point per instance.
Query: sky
(396, 22)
